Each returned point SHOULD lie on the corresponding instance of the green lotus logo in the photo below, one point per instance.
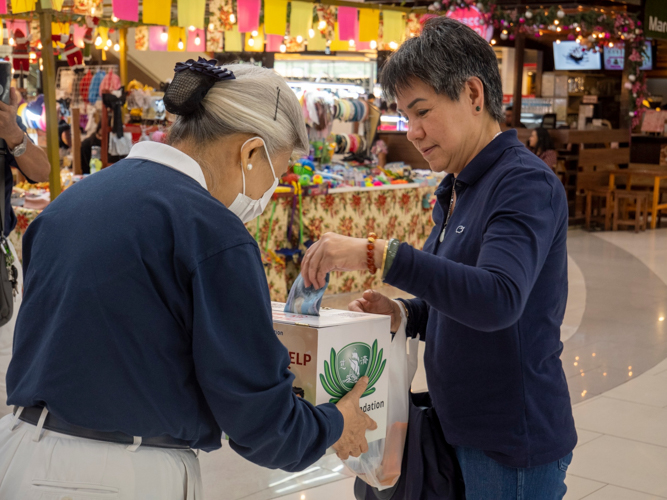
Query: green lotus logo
(350, 364)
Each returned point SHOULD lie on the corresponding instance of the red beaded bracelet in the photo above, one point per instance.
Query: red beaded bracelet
(371, 253)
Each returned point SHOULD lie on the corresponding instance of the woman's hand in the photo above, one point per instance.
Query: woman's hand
(375, 303)
(337, 253)
(9, 129)
(353, 440)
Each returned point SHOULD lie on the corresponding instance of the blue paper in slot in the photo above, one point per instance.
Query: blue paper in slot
(304, 300)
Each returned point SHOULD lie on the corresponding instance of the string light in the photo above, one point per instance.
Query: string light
(114, 19)
(611, 45)
(164, 36)
(211, 26)
(180, 44)
(556, 22)
(109, 43)
(197, 40)
(251, 42)
(557, 41)
(493, 41)
(322, 25)
(92, 11)
(351, 42)
(558, 29)
(299, 39)
(33, 55)
(116, 47)
(393, 45)
(254, 33)
(374, 44)
(39, 46)
(12, 42)
(191, 28)
(311, 33)
(283, 48)
(232, 18)
(98, 41)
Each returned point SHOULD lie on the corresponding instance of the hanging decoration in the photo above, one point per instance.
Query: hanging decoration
(222, 16)
(70, 51)
(20, 53)
(326, 20)
(126, 10)
(275, 17)
(247, 13)
(141, 38)
(213, 39)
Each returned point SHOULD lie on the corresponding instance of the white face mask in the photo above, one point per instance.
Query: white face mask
(244, 206)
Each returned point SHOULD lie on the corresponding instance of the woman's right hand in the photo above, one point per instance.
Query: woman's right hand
(375, 303)
(356, 423)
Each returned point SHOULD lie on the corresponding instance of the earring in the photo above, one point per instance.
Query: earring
(249, 167)
(478, 108)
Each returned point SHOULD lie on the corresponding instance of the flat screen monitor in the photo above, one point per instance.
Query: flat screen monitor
(614, 57)
(570, 55)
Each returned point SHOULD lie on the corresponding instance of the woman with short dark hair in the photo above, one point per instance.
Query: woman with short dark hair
(491, 281)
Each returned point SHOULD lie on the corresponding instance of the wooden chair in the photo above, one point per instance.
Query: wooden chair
(632, 201)
(594, 203)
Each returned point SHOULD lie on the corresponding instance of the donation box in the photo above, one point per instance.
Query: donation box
(331, 352)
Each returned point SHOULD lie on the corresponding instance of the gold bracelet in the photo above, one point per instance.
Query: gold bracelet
(384, 257)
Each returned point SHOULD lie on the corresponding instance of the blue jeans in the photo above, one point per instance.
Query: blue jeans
(486, 479)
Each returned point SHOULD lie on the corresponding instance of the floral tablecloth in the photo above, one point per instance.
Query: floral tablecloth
(400, 212)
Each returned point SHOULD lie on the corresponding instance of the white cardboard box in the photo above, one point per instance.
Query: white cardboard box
(330, 352)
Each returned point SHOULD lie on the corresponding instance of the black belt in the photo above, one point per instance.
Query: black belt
(31, 415)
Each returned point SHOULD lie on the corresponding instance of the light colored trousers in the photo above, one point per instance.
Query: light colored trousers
(7, 338)
(37, 464)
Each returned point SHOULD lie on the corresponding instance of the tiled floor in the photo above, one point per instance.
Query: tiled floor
(615, 358)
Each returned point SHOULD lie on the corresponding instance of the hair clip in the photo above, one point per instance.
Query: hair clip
(192, 81)
(275, 115)
(205, 68)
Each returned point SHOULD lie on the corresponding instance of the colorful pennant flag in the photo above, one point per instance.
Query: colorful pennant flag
(52, 4)
(369, 25)
(273, 42)
(3, 7)
(126, 10)
(247, 13)
(257, 43)
(191, 13)
(177, 39)
(301, 19)
(275, 17)
(157, 38)
(337, 44)
(348, 23)
(318, 43)
(394, 26)
(20, 6)
(193, 46)
(233, 41)
(156, 12)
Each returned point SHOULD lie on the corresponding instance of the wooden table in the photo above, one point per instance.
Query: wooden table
(658, 176)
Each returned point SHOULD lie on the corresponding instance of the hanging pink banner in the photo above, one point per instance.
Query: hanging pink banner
(12, 26)
(248, 15)
(348, 23)
(127, 10)
(155, 38)
(363, 45)
(192, 41)
(273, 42)
(3, 6)
(79, 32)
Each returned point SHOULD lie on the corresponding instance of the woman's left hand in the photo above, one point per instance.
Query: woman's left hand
(337, 253)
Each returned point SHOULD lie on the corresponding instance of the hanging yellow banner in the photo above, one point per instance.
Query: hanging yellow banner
(317, 43)
(60, 28)
(337, 44)
(275, 17)
(191, 13)
(393, 29)
(20, 6)
(257, 43)
(233, 41)
(52, 4)
(177, 39)
(157, 12)
(301, 19)
(369, 25)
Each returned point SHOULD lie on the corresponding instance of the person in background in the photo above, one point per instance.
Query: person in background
(490, 284)
(509, 116)
(32, 161)
(87, 148)
(541, 144)
(155, 335)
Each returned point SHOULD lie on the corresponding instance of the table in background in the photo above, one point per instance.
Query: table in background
(658, 176)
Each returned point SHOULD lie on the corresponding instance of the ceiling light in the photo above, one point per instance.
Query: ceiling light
(311, 33)
(255, 33)
(109, 43)
(374, 44)
(322, 25)
(197, 40)
(164, 36)
(232, 18)
(299, 39)
(283, 48)
(180, 44)
(116, 47)
(251, 42)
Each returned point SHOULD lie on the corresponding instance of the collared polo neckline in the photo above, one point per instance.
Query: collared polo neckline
(170, 157)
(484, 160)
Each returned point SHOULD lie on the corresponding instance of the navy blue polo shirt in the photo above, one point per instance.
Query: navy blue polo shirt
(158, 321)
(490, 302)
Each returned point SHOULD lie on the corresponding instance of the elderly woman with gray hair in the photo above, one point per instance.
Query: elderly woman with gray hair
(154, 335)
(490, 285)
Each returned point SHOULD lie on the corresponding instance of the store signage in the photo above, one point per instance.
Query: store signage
(614, 57)
(656, 18)
(473, 17)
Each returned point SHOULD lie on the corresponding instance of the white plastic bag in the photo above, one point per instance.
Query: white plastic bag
(120, 146)
(380, 467)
